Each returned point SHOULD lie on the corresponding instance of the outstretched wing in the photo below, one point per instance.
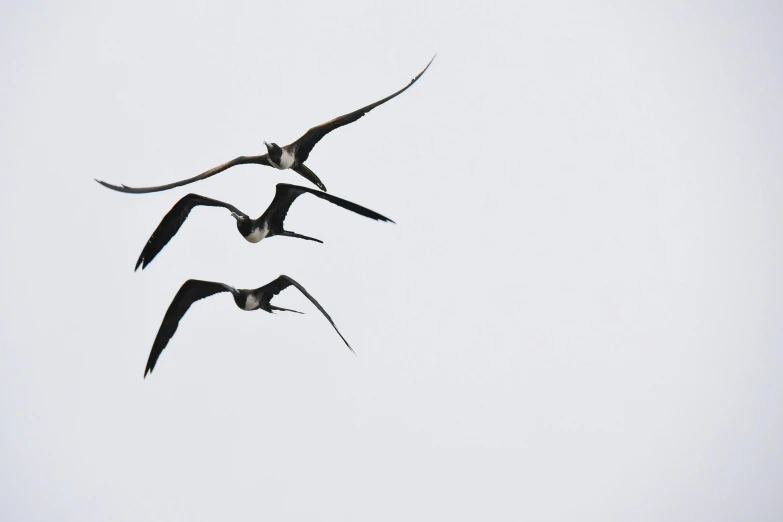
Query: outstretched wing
(302, 147)
(283, 282)
(286, 194)
(172, 222)
(241, 160)
(190, 292)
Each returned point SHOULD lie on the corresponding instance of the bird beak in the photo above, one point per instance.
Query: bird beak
(236, 216)
(268, 146)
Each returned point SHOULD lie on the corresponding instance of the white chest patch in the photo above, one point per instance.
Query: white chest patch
(251, 303)
(286, 160)
(257, 234)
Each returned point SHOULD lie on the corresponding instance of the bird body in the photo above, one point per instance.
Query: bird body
(258, 233)
(291, 156)
(269, 224)
(246, 299)
(251, 301)
(279, 157)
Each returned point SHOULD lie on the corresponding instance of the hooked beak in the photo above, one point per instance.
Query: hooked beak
(237, 216)
(268, 146)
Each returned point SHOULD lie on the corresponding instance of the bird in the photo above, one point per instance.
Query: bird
(258, 299)
(291, 156)
(269, 224)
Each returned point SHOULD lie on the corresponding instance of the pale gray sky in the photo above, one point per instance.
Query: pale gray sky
(576, 317)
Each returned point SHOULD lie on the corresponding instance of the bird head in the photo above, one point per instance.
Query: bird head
(275, 151)
(243, 223)
(239, 298)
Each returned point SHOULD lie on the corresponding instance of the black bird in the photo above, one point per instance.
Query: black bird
(291, 156)
(254, 230)
(193, 290)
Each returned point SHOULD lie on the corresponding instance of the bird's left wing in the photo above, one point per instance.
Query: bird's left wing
(172, 222)
(283, 282)
(241, 160)
(190, 292)
(302, 147)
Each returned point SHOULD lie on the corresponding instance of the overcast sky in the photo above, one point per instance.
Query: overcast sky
(576, 317)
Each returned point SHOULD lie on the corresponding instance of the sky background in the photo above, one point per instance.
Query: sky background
(576, 316)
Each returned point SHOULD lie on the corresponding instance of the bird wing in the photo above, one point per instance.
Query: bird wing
(241, 160)
(172, 222)
(286, 194)
(190, 292)
(302, 147)
(283, 282)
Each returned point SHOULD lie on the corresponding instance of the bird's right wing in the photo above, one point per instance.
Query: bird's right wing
(172, 222)
(190, 292)
(283, 282)
(241, 160)
(307, 141)
(286, 194)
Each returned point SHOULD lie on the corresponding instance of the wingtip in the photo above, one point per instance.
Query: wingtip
(109, 185)
(142, 262)
(425, 69)
(344, 340)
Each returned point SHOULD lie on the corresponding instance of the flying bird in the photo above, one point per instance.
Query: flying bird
(193, 290)
(254, 230)
(291, 156)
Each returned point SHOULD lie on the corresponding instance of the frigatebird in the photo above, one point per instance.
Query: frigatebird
(258, 299)
(254, 230)
(291, 156)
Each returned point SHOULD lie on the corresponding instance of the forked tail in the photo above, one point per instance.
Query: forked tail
(300, 236)
(273, 307)
(309, 175)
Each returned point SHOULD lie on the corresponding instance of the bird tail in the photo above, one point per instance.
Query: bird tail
(273, 307)
(309, 175)
(300, 236)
